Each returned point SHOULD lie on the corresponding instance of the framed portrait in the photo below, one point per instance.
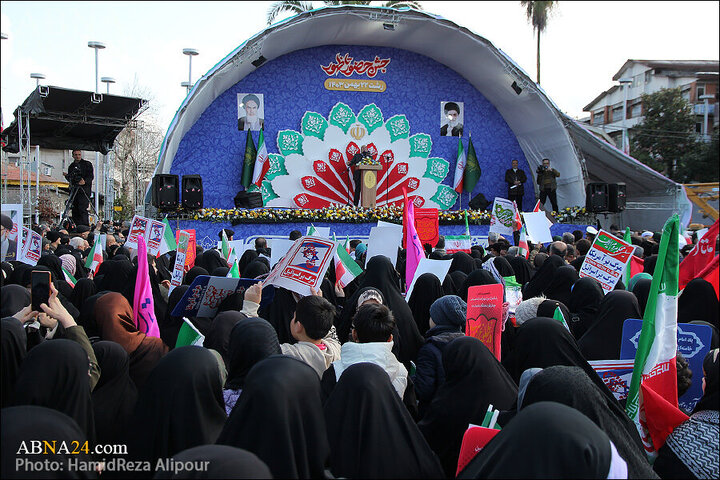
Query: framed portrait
(452, 117)
(251, 111)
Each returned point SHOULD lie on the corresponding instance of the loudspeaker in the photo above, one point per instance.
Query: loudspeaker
(165, 191)
(192, 192)
(248, 199)
(616, 193)
(479, 202)
(596, 197)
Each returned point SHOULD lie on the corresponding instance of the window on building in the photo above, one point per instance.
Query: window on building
(636, 80)
(648, 76)
(686, 94)
(599, 117)
(617, 112)
(698, 127)
(636, 110)
(700, 90)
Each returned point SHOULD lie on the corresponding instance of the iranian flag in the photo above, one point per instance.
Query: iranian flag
(346, 269)
(522, 243)
(517, 221)
(537, 207)
(459, 167)
(654, 365)
(262, 163)
(68, 277)
(167, 243)
(95, 258)
(226, 252)
(628, 269)
(346, 245)
(189, 335)
(234, 270)
(457, 243)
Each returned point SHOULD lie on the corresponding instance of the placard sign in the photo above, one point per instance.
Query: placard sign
(304, 266)
(179, 267)
(615, 374)
(206, 294)
(191, 249)
(484, 315)
(151, 230)
(607, 259)
(31, 246)
(693, 341)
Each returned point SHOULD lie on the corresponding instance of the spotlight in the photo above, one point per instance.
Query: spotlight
(517, 88)
(259, 61)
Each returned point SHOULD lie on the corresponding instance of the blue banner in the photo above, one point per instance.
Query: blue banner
(206, 293)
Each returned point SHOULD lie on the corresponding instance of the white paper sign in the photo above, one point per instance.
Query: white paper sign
(537, 227)
(280, 247)
(606, 260)
(179, 267)
(319, 231)
(384, 241)
(304, 266)
(31, 247)
(151, 230)
(502, 216)
(382, 224)
(439, 268)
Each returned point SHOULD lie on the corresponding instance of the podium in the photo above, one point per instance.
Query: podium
(368, 179)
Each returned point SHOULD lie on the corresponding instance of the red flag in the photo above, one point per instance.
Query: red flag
(636, 266)
(537, 207)
(710, 273)
(516, 220)
(699, 257)
(661, 416)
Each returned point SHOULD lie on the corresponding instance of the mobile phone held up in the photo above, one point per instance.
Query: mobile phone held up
(40, 289)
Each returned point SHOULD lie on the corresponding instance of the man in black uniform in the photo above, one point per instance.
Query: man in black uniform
(515, 178)
(80, 176)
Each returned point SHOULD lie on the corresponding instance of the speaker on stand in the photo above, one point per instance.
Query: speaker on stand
(596, 197)
(165, 192)
(617, 193)
(192, 192)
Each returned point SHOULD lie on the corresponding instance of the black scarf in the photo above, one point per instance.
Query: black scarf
(180, 406)
(218, 337)
(13, 298)
(543, 277)
(559, 288)
(462, 262)
(210, 260)
(521, 267)
(583, 304)
(503, 267)
(14, 351)
(709, 400)
(115, 394)
(279, 312)
(251, 340)
(169, 325)
(453, 283)
(641, 290)
(31, 422)
(698, 301)
(55, 375)
(84, 288)
(473, 380)
(371, 433)
(427, 289)
(572, 387)
(478, 277)
(279, 418)
(545, 440)
(603, 338)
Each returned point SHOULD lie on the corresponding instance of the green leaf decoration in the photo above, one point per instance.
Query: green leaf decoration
(314, 125)
(445, 197)
(342, 116)
(420, 145)
(267, 192)
(289, 142)
(398, 127)
(371, 116)
(437, 169)
(277, 166)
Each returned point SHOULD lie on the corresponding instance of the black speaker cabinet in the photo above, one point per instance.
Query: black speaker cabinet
(479, 202)
(596, 197)
(617, 193)
(192, 192)
(248, 199)
(165, 191)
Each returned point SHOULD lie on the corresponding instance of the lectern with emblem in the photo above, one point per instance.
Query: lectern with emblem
(368, 180)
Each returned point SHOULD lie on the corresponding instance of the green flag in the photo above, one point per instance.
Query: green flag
(472, 169)
(626, 276)
(234, 271)
(249, 165)
(558, 315)
(189, 335)
(467, 227)
(312, 230)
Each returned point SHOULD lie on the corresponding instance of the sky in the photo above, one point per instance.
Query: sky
(584, 45)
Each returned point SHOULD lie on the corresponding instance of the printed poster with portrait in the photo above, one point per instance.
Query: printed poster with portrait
(452, 117)
(304, 266)
(11, 241)
(251, 111)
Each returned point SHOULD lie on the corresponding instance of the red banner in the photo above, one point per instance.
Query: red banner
(427, 226)
(484, 315)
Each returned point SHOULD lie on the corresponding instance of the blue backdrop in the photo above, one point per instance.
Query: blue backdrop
(293, 84)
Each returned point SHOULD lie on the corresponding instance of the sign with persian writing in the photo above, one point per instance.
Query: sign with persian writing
(206, 293)
(484, 316)
(606, 260)
(304, 266)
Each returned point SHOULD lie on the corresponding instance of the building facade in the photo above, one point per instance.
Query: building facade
(695, 78)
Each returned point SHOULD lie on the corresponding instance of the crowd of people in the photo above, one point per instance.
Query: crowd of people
(353, 382)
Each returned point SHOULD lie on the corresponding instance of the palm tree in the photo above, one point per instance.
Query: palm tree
(537, 14)
(298, 7)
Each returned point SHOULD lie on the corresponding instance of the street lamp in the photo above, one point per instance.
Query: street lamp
(96, 46)
(706, 98)
(107, 81)
(190, 52)
(37, 77)
(187, 86)
(625, 140)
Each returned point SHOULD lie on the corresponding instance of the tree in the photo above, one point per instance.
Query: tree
(296, 7)
(666, 139)
(136, 151)
(537, 14)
